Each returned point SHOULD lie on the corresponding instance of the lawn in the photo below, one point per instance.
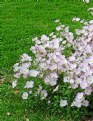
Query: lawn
(21, 20)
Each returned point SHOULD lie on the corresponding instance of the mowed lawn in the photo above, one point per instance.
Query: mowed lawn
(21, 20)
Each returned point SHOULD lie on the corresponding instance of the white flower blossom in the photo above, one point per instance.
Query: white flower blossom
(29, 84)
(86, 1)
(34, 73)
(14, 83)
(63, 103)
(25, 95)
(44, 94)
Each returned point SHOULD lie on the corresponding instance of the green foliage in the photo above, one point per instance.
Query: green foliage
(68, 51)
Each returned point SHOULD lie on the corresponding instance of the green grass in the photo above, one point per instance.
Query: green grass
(22, 20)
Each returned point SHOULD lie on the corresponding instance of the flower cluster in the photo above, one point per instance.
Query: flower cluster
(51, 60)
(80, 74)
(80, 100)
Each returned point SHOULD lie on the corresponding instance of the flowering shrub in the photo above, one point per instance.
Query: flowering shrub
(62, 64)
